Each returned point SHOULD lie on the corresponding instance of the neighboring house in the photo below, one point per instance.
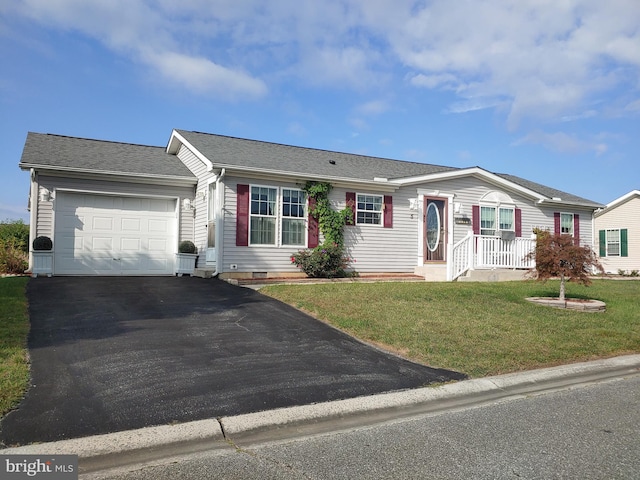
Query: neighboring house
(617, 230)
(121, 209)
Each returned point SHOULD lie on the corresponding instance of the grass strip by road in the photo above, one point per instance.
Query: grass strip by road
(477, 328)
(14, 328)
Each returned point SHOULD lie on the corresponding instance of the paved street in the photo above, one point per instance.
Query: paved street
(586, 432)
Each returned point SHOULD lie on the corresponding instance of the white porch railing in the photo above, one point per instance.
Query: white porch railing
(482, 252)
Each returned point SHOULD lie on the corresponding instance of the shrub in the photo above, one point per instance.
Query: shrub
(322, 262)
(12, 260)
(42, 243)
(634, 273)
(15, 233)
(187, 246)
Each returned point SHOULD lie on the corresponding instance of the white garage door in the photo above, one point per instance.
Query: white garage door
(110, 235)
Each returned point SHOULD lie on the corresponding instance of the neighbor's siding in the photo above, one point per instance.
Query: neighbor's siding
(46, 210)
(626, 215)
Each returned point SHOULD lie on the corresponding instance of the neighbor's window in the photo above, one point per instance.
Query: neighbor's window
(613, 243)
(262, 226)
(293, 217)
(566, 224)
(368, 209)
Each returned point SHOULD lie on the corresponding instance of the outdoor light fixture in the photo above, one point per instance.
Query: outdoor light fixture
(186, 204)
(413, 204)
(45, 195)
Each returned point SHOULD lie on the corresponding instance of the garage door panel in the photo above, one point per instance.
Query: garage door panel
(103, 235)
(128, 224)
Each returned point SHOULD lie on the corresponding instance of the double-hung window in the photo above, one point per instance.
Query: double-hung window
(369, 209)
(613, 243)
(496, 218)
(293, 217)
(264, 215)
(277, 216)
(566, 223)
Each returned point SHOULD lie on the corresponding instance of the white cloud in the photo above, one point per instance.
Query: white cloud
(201, 75)
(563, 143)
(533, 59)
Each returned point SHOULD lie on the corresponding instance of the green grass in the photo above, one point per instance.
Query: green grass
(14, 328)
(477, 328)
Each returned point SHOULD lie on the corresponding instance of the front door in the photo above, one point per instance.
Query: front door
(435, 228)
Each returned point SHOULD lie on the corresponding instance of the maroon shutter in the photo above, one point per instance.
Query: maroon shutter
(351, 203)
(576, 229)
(242, 216)
(556, 223)
(475, 219)
(312, 232)
(388, 211)
(518, 222)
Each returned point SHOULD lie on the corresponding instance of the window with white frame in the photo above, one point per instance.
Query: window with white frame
(566, 224)
(369, 209)
(496, 218)
(264, 215)
(293, 217)
(613, 243)
(277, 216)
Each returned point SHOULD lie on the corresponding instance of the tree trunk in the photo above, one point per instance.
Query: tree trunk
(561, 298)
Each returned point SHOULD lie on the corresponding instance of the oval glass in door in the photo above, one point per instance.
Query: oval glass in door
(433, 227)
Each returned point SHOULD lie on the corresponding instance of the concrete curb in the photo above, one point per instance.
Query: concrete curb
(121, 448)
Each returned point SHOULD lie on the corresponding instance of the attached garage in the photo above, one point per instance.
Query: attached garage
(100, 234)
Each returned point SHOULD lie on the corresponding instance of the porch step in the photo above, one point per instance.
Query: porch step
(203, 272)
(495, 275)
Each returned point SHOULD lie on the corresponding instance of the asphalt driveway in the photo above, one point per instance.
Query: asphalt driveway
(111, 354)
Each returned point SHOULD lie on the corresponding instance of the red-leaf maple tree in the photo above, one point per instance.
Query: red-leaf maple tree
(558, 255)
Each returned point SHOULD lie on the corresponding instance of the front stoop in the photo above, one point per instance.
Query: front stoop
(204, 272)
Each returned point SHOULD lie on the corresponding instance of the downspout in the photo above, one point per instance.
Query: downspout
(33, 213)
(219, 213)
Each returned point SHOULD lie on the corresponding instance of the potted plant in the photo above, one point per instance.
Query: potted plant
(186, 258)
(42, 257)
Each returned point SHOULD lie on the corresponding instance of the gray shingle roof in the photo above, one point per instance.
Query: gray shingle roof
(548, 192)
(81, 154)
(231, 151)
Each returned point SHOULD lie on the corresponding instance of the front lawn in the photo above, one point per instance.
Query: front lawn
(477, 328)
(14, 328)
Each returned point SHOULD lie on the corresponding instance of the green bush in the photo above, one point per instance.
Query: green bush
(14, 246)
(187, 246)
(322, 262)
(16, 234)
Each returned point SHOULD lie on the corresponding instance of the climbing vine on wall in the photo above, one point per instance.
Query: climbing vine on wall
(326, 260)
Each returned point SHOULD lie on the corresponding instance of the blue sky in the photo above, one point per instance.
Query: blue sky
(544, 89)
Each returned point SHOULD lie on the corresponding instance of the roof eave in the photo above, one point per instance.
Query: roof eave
(111, 175)
(563, 203)
(336, 181)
